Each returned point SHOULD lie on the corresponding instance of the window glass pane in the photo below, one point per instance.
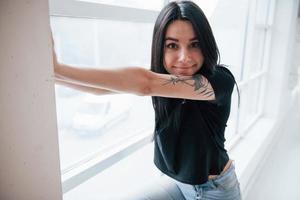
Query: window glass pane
(257, 44)
(253, 97)
(149, 5)
(249, 106)
(262, 8)
(229, 21)
(90, 123)
(257, 52)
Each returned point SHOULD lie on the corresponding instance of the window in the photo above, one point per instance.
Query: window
(101, 130)
(94, 129)
(255, 64)
(243, 31)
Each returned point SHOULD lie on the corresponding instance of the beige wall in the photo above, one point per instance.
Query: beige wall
(29, 157)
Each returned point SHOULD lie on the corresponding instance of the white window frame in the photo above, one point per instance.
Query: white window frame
(91, 10)
(262, 74)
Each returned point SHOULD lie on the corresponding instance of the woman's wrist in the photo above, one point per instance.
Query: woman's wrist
(57, 70)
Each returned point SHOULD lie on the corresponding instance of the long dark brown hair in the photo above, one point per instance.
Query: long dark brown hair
(167, 110)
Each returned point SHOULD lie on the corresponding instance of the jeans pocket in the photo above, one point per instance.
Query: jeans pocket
(227, 182)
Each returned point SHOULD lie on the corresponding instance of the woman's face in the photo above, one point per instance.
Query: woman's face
(182, 54)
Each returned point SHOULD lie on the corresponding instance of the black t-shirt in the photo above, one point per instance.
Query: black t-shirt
(197, 150)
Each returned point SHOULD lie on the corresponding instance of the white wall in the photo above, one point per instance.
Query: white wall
(29, 157)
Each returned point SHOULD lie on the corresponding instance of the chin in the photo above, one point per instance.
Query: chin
(184, 73)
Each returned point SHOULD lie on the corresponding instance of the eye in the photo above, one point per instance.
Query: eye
(195, 45)
(171, 46)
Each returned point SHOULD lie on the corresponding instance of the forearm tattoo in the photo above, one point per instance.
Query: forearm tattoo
(200, 84)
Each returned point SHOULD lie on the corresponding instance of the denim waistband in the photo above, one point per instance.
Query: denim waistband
(228, 172)
(228, 176)
(219, 185)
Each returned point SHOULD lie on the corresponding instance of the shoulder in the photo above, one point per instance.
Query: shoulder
(222, 81)
(221, 75)
(225, 70)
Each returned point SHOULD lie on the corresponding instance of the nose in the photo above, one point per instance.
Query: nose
(184, 56)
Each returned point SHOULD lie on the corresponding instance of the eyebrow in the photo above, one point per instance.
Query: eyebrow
(176, 40)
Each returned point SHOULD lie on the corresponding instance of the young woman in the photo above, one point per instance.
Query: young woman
(191, 95)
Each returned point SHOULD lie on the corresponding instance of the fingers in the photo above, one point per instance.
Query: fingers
(55, 62)
(52, 38)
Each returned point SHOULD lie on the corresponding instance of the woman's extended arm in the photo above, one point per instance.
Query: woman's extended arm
(95, 91)
(122, 80)
(139, 81)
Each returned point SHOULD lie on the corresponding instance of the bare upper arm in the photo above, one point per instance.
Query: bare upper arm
(195, 87)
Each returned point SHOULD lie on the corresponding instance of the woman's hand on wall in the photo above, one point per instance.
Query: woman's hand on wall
(56, 64)
(61, 80)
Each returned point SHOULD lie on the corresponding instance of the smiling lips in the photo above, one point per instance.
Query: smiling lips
(184, 71)
(184, 67)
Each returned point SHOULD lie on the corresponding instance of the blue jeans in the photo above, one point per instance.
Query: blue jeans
(223, 187)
